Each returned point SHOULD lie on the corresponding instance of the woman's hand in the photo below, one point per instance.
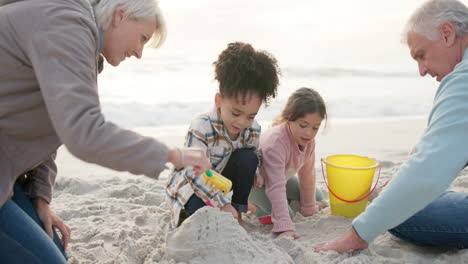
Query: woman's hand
(348, 242)
(290, 234)
(195, 157)
(50, 221)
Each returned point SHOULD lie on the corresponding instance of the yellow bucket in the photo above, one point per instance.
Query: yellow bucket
(349, 181)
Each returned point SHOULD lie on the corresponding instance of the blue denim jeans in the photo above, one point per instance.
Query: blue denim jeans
(444, 223)
(22, 237)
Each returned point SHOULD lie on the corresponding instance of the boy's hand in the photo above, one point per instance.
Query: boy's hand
(229, 209)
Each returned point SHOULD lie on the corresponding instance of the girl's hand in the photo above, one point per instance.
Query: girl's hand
(258, 181)
(310, 211)
(290, 234)
(50, 221)
(229, 209)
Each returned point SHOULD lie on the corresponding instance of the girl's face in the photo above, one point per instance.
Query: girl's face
(305, 128)
(125, 37)
(237, 116)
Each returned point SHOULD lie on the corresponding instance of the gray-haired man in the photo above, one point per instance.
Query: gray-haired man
(415, 206)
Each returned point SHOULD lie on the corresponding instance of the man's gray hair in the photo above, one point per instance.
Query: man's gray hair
(135, 9)
(429, 16)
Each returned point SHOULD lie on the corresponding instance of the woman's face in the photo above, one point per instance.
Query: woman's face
(126, 37)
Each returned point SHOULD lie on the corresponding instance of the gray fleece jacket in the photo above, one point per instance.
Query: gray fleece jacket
(48, 97)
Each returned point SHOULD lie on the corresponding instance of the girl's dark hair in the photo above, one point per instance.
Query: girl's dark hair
(302, 102)
(242, 70)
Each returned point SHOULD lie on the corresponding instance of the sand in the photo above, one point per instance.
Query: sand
(121, 218)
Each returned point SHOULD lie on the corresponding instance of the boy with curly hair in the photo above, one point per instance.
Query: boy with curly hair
(229, 134)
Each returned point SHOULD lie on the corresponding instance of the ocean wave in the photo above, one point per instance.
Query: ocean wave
(344, 72)
(137, 114)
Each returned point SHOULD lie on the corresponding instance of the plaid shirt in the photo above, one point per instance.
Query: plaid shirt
(206, 131)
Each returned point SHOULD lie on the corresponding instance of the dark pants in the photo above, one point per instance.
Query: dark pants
(444, 223)
(22, 236)
(240, 169)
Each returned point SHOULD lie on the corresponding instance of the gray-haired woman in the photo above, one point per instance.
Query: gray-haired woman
(49, 63)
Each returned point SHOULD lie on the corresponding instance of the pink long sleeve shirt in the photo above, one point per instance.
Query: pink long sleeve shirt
(282, 159)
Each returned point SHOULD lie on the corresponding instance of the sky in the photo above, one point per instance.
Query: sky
(320, 32)
(347, 50)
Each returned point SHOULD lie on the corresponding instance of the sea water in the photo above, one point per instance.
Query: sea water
(349, 51)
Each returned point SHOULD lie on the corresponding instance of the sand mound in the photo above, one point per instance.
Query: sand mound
(212, 236)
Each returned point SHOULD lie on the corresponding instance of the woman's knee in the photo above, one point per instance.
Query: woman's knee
(12, 252)
(28, 236)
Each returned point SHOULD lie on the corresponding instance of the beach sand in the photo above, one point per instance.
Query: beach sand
(121, 218)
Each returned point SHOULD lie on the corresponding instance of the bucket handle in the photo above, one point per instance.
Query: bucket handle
(344, 200)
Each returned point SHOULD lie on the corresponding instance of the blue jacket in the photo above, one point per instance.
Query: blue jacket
(440, 155)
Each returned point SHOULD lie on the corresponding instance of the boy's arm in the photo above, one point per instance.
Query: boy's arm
(205, 191)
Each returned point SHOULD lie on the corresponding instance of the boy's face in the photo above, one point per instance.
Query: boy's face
(305, 129)
(237, 116)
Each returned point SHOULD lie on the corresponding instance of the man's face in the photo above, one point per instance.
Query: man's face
(434, 57)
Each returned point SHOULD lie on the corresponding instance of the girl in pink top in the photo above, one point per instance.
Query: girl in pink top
(288, 148)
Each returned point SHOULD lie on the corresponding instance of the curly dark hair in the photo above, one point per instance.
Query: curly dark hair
(242, 70)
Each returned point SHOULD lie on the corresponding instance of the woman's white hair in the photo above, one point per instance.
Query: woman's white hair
(136, 9)
(429, 16)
